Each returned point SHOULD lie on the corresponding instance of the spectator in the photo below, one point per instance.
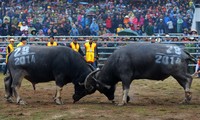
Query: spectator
(74, 31)
(31, 28)
(1, 29)
(76, 46)
(170, 26)
(25, 33)
(62, 30)
(44, 29)
(37, 25)
(174, 21)
(86, 31)
(23, 42)
(197, 68)
(161, 26)
(109, 23)
(139, 31)
(24, 27)
(6, 27)
(126, 20)
(17, 31)
(94, 28)
(52, 42)
(48, 14)
(149, 29)
(179, 24)
(120, 28)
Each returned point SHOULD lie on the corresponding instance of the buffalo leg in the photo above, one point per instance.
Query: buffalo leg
(125, 95)
(57, 98)
(126, 81)
(8, 89)
(16, 84)
(185, 81)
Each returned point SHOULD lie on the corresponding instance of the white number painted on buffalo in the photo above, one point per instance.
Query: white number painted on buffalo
(24, 56)
(165, 59)
(174, 49)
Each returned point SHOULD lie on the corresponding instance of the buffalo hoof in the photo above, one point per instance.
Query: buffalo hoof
(185, 102)
(21, 102)
(113, 102)
(58, 101)
(10, 100)
(121, 104)
(188, 97)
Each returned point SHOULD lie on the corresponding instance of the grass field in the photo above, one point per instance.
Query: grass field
(150, 100)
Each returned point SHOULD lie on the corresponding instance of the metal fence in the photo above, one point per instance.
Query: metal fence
(106, 47)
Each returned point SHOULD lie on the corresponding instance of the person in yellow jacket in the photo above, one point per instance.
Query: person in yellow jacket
(23, 42)
(9, 49)
(76, 46)
(91, 53)
(52, 42)
(120, 28)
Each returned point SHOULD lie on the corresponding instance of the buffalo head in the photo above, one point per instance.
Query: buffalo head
(93, 83)
(80, 90)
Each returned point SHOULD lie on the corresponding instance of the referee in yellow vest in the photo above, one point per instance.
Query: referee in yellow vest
(76, 46)
(52, 42)
(9, 49)
(23, 42)
(91, 53)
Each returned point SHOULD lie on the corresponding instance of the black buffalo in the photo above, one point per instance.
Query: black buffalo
(43, 64)
(141, 61)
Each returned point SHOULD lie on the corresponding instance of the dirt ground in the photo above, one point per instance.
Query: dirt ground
(150, 100)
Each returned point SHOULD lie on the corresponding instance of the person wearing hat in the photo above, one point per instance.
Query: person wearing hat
(52, 42)
(9, 49)
(126, 19)
(120, 28)
(23, 42)
(91, 52)
(76, 46)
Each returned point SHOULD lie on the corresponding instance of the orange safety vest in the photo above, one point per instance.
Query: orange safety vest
(54, 44)
(89, 55)
(8, 52)
(74, 46)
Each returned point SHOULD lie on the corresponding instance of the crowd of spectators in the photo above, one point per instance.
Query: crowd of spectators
(94, 17)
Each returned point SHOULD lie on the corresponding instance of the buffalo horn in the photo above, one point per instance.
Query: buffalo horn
(91, 67)
(104, 85)
(88, 79)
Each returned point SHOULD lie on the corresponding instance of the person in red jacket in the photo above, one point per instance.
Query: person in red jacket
(109, 23)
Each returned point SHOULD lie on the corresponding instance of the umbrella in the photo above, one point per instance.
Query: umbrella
(108, 34)
(83, 3)
(127, 32)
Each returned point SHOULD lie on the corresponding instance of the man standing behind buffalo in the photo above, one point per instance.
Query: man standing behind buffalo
(76, 46)
(23, 42)
(52, 42)
(9, 49)
(91, 53)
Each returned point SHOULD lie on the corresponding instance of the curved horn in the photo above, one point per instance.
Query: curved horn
(89, 78)
(91, 67)
(104, 85)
